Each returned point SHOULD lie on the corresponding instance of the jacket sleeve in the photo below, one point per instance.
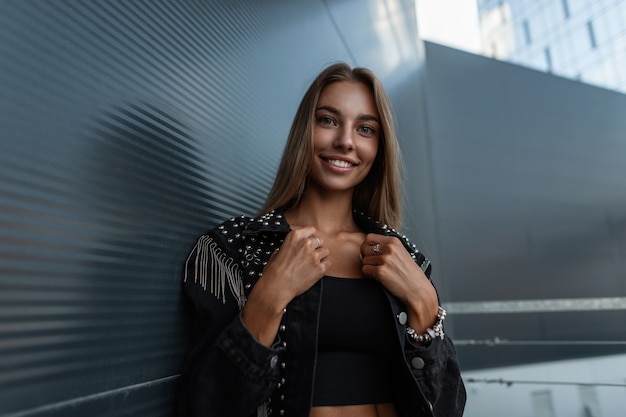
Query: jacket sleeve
(226, 371)
(435, 368)
(436, 371)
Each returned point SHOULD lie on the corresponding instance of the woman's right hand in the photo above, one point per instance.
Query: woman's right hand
(298, 264)
(295, 267)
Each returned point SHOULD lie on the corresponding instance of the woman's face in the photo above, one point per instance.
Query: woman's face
(345, 136)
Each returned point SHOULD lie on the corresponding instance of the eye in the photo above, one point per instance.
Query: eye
(326, 121)
(368, 130)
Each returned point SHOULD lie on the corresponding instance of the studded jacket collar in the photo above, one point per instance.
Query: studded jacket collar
(228, 373)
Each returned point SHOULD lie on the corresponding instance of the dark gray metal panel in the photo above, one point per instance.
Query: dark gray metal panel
(530, 185)
(110, 144)
(126, 130)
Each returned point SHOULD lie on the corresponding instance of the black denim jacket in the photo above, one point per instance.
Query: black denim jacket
(227, 373)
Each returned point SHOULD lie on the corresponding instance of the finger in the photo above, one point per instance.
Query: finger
(370, 242)
(372, 238)
(304, 232)
(323, 255)
(370, 271)
(371, 248)
(373, 260)
(317, 241)
(306, 236)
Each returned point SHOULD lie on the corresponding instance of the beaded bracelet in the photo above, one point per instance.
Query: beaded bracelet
(431, 332)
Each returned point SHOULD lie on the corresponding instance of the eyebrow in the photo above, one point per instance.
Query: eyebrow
(337, 112)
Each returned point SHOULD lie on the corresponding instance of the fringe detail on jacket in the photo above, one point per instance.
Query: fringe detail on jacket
(261, 410)
(214, 269)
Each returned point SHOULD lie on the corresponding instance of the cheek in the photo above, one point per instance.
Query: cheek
(320, 138)
(372, 150)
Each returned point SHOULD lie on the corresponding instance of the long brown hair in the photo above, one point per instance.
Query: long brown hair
(378, 195)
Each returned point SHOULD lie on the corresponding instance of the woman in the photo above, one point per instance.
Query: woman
(314, 308)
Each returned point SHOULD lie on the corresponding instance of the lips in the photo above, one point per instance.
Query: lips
(340, 163)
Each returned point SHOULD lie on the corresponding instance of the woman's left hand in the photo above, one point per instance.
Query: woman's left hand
(387, 260)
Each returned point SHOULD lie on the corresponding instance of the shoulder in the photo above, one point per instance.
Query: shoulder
(236, 227)
(233, 234)
(237, 245)
(213, 265)
(230, 231)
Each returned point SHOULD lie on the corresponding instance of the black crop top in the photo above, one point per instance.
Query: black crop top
(356, 344)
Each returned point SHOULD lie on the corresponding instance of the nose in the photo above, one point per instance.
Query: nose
(344, 139)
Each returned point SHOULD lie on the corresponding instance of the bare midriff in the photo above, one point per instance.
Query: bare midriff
(362, 410)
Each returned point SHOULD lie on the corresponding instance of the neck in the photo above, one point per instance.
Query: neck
(327, 212)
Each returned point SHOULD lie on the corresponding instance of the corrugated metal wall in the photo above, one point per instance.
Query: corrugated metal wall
(126, 130)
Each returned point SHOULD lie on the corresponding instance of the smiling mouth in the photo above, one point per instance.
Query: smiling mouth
(339, 163)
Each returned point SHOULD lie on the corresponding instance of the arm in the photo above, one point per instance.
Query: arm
(226, 371)
(434, 365)
(436, 370)
(300, 263)
(232, 365)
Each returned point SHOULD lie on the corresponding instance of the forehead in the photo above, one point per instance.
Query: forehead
(350, 97)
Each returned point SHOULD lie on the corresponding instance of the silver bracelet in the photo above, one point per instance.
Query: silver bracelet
(431, 332)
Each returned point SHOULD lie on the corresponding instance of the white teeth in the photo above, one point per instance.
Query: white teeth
(340, 164)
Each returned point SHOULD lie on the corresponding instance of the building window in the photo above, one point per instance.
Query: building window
(526, 28)
(546, 53)
(542, 403)
(565, 8)
(589, 399)
(592, 35)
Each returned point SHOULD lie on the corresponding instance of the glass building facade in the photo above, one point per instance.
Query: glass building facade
(583, 40)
